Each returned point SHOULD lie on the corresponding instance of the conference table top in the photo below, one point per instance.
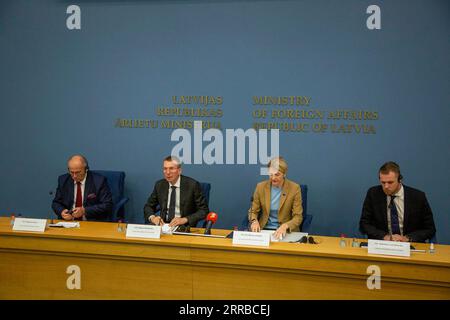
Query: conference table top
(107, 232)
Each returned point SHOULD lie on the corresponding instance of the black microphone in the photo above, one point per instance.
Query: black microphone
(211, 218)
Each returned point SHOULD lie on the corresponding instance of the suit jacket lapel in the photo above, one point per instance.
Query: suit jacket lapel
(164, 195)
(88, 188)
(183, 193)
(284, 193)
(405, 210)
(71, 192)
(384, 204)
(267, 197)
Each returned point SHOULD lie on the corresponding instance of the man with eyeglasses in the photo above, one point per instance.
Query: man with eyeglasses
(176, 199)
(82, 194)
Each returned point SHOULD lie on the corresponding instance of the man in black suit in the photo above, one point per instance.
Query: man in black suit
(81, 194)
(179, 198)
(396, 212)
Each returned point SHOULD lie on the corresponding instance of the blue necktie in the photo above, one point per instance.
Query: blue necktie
(395, 225)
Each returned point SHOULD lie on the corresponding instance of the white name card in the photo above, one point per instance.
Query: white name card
(391, 248)
(251, 238)
(143, 231)
(25, 224)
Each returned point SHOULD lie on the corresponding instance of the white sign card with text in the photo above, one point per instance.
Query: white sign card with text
(390, 248)
(25, 224)
(143, 231)
(251, 238)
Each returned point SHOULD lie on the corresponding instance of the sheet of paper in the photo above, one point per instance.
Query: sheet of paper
(168, 230)
(272, 238)
(65, 224)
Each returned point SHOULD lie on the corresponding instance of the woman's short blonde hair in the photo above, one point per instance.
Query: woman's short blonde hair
(278, 163)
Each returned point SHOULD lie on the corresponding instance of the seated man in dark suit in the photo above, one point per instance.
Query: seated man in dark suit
(179, 198)
(81, 194)
(396, 212)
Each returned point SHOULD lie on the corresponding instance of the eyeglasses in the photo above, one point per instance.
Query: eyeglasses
(76, 173)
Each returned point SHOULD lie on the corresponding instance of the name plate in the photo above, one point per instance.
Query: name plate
(143, 231)
(251, 238)
(25, 224)
(390, 248)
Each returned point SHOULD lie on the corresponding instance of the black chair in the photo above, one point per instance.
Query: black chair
(307, 218)
(116, 183)
(432, 240)
(206, 188)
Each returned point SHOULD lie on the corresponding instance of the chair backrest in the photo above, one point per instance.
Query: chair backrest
(206, 188)
(433, 239)
(307, 218)
(116, 183)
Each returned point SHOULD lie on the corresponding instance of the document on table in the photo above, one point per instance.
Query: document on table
(168, 230)
(272, 238)
(289, 237)
(65, 225)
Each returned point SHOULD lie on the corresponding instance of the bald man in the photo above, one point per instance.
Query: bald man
(81, 194)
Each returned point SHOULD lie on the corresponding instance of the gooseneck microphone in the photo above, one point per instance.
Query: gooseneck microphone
(211, 218)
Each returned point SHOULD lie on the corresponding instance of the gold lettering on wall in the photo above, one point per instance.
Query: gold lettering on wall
(197, 100)
(279, 112)
(290, 100)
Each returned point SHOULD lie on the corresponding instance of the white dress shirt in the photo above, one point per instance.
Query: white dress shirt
(83, 184)
(399, 201)
(177, 197)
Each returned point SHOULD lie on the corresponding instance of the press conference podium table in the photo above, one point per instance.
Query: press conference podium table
(33, 266)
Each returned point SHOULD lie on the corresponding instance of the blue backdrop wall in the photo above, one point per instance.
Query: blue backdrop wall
(66, 91)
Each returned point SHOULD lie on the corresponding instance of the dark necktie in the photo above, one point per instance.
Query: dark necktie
(173, 197)
(395, 225)
(79, 200)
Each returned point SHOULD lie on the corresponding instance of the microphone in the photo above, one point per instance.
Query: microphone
(211, 218)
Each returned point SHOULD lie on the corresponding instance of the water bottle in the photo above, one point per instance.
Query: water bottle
(432, 247)
(342, 242)
(119, 226)
(13, 218)
(355, 243)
